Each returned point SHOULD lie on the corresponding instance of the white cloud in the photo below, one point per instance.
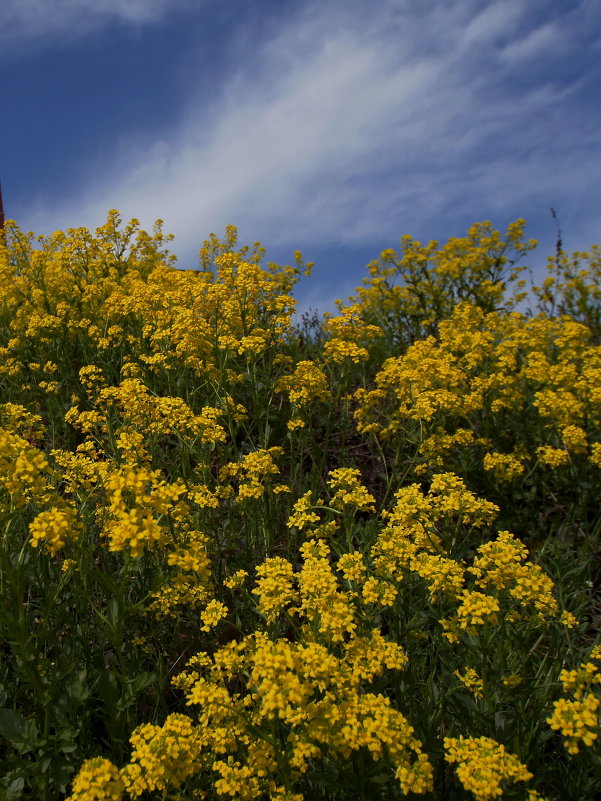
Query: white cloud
(492, 21)
(543, 41)
(31, 19)
(352, 126)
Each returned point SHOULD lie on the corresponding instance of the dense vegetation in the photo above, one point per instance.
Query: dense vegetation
(248, 558)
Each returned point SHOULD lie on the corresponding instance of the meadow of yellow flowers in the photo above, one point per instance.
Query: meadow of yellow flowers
(256, 558)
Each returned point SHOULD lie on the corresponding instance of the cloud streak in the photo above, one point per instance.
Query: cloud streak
(351, 126)
(22, 20)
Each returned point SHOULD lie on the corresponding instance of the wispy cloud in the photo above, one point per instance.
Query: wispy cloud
(33, 19)
(541, 42)
(353, 123)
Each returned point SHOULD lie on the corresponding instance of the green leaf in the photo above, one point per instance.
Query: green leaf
(113, 612)
(381, 778)
(61, 770)
(30, 738)
(12, 790)
(12, 725)
(78, 690)
(108, 688)
(141, 681)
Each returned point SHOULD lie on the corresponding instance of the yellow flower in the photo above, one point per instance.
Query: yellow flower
(236, 580)
(506, 466)
(477, 609)
(274, 587)
(54, 527)
(577, 720)
(553, 457)
(569, 620)
(97, 780)
(162, 756)
(483, 765)
(352, 566)
(308, 383)
(349, 491)
(303, 515)
(214, 612)
(472, 681)
(379, 592)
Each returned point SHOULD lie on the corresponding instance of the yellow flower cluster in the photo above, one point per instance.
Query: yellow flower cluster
(22, 469)
(98, 780)
(505, 466)
(472, 681)
(348, 583)
(304, 513)
(408, 293)
(138, 497)
(16, 419)
(352, 567)
(54, 527)
(252, 471)
(274, 587)
(319, 699)
(481, 366)
(236, 580)
(142, 415)
(188, 586)
(578, 718)
(476, 609)
(307, 384)
(163, 756)
(501, 565)
(348, 490)
(214, 612)
(349, 335)
(321, 600)
(410, 539)
(572, 286)
(483, 765)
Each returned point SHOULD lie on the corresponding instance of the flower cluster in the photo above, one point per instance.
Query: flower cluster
(249, 558)
(483, 765)
(577, 718)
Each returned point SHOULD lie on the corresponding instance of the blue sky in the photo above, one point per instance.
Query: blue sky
(333, 127)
